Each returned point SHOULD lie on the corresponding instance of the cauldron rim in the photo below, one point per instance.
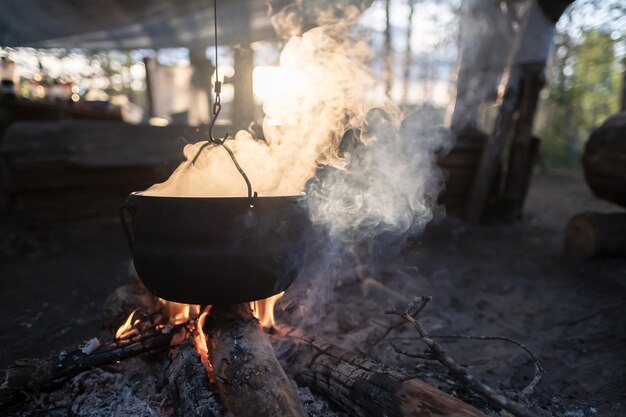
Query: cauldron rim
(300, 196)
(205, 268)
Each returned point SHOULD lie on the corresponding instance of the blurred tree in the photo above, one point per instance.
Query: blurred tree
(595, 81)
(388, 50)
(408, 56)
(584, 89)
(584, 86)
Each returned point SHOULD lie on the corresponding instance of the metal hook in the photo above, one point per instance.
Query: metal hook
(217, 108)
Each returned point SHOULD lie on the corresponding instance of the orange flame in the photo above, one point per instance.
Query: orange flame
(199, 339)
(178, 313)
(263, 310)
(126, 329)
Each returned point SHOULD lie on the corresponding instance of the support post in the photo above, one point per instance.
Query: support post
(524, 146)
(531, 48)
(148, 64)
(243, 101)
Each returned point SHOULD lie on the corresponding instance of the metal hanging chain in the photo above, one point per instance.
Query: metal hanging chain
(217, 108)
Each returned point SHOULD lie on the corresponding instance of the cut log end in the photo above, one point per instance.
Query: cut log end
(590, 235)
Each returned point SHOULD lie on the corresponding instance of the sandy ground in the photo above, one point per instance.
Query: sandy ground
(507, 280)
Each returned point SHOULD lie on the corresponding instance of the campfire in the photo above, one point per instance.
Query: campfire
(222, 360)
(334, 173)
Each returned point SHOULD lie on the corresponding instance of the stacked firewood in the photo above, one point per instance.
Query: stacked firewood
(589, 234)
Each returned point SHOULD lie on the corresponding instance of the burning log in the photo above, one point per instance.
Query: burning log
(250, 379)
(29, 375)
(589, 235)
(362, 387)
(189, 384)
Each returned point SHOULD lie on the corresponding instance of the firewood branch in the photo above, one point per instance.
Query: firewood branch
(189, 384)
(28, 375)
(360, 386)
(250, 379)
(409, 314)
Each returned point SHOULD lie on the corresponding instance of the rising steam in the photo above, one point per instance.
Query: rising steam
(367, 176)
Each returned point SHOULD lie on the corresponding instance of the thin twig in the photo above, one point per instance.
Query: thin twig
(372, 343)
(409, 313)
(538, 376)
(427, 355)
(590, 315)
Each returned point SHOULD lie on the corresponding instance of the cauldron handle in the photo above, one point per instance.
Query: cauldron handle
(127, 208)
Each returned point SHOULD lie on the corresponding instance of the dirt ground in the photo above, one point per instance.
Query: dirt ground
(498, 280)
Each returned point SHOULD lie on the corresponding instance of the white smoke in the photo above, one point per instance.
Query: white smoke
(324, 91)
(371, 179)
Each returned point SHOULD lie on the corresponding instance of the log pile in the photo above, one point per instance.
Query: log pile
(591, 235)
(83, 169)
(459, 167)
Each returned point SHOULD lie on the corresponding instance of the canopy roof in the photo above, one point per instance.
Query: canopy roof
(132, 24)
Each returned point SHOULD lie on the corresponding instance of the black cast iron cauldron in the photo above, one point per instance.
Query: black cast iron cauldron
(215, 250)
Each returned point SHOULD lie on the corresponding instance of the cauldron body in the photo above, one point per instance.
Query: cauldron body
(216, 250)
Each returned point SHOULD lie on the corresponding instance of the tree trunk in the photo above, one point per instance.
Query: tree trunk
(623, 101)
(149, 64)
(243, 101)
(486, 35)
(590, 235)
(362, 387)
(251, 381)
(388, 50)
(408, 56)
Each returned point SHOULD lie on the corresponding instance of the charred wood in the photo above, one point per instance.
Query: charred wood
(189, 384)
(360, 386)
(30, 375)
(250, 379)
